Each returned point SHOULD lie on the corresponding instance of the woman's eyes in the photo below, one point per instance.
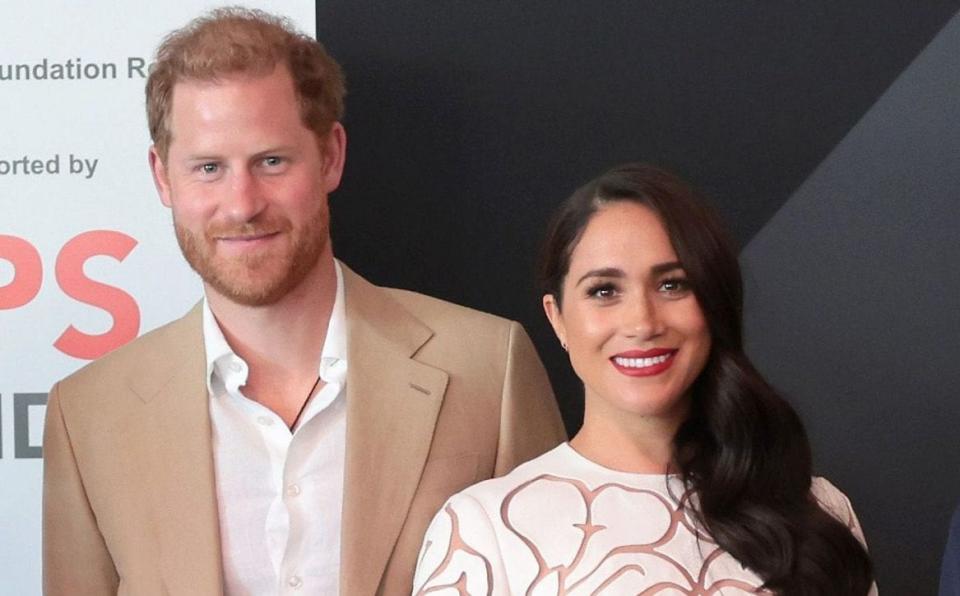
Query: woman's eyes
(602, 291)
(674, 285)
(671, 287)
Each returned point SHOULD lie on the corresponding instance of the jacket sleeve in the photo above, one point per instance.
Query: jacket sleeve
(530, 422)
(75, 556)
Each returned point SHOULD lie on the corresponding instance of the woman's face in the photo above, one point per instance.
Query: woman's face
(634, 330)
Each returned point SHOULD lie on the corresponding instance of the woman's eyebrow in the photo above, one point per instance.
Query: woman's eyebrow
(614, 272)
(602, 272)
(665, 267)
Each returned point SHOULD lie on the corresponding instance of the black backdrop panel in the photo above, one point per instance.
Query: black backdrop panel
(469, 121)
(853, 310)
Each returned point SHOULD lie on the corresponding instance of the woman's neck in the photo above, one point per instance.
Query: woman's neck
(638, 444)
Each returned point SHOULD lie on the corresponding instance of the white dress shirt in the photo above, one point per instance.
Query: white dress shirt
(279, 493)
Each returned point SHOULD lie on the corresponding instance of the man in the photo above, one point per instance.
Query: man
(299, 427)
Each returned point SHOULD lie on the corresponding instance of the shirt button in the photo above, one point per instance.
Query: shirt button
(294, 582)
(293, 490)
(265, 420)
(235, 366)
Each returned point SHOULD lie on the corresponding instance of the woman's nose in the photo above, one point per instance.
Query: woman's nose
(642, 318)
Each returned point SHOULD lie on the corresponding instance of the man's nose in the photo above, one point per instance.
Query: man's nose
(245, 198)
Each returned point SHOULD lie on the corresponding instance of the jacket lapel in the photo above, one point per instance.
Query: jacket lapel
(175, 438)
(392, 407)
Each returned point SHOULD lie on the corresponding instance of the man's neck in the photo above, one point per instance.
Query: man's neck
(281, 342)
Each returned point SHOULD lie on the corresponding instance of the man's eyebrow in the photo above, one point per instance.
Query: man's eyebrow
(201, 157)
(273, 150)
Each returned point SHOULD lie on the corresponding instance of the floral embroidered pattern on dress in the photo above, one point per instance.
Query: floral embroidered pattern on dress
(562, 525)
(602, 559)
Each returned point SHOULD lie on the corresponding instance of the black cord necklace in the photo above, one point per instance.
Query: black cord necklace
(293, 424)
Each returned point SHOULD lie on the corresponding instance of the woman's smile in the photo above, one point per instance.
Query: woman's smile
(644, 363)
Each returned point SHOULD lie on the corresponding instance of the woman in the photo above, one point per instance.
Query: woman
(690, 474)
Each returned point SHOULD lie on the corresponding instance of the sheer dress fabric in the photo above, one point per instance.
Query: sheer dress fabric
(563, 525)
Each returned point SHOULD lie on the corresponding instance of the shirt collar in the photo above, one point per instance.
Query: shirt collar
(226, 371)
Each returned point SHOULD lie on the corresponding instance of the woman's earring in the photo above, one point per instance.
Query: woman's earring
(563, 345)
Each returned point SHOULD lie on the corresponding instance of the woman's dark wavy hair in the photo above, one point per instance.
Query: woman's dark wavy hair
(743, 449)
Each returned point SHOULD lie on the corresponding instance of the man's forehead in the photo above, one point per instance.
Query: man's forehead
(233, 77)
(271, 90)
(210, 114)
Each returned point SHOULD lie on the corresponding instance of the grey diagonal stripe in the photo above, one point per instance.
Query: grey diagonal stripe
(853, 311)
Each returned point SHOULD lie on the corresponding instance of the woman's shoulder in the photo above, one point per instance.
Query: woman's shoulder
(836, 503)
(494, 490)
(832, 499)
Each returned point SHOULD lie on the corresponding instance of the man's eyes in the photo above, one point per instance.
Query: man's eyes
(210, 168)
(272, 161)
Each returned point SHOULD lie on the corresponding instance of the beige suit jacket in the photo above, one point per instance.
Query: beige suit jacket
(438, 397)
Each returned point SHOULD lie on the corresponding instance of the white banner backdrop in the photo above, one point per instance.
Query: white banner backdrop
(88, 259)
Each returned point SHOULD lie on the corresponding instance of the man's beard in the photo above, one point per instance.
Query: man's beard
(258, 279)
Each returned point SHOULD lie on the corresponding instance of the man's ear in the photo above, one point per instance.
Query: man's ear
(552, 308)
(333, 149)
(160, 178)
